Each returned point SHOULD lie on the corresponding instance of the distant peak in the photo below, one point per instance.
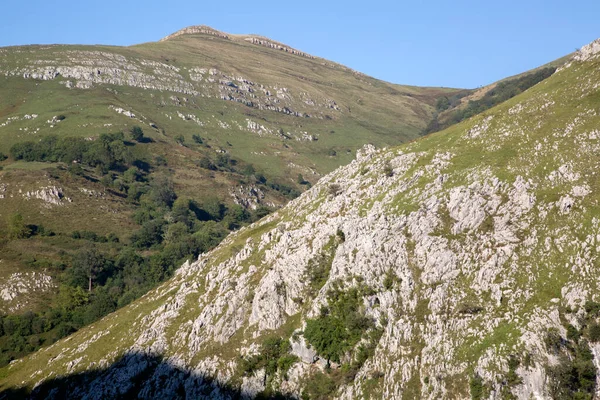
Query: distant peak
(196, 29)
(254, 39)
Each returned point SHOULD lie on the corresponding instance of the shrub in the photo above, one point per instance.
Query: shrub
(320, 387)
(476, 387)
(389, 280)
(340, 326)
(388, 170)
(469, 308)
(574, 376)
(572, 333)
(594, 333)
(334, 189)
(553, 340)
(206, 163)
(137, 133)
(273, 356)
(197, 139)
(17, 229)
(592, 308)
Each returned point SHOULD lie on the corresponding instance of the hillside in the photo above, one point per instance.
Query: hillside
(238, 120)
(463, 264)
(464, 104)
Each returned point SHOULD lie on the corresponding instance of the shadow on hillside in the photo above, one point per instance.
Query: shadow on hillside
(134, 376)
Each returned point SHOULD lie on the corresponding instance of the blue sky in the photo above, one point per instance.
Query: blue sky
(430, 43)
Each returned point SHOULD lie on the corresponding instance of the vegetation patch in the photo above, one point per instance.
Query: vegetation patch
(342, 334)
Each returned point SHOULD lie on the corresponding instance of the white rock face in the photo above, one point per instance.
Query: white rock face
(588, 51)
(84, 69)
(17, 288)
(51, 195)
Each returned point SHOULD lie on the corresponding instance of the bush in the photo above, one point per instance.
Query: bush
(3, 156)
(340, 326)
(469, 308)
(137, 133)
(476, 387)
(150, 234)
(17, 229)
(572, 333)
(197, 139)
(592, 308)
(574, 377)
(553, 340)
(273, 356)
(162, 192)
(594, 333)
(334, 189)
(206, 163)
(107, 152)
(320, 387)
(388, 170)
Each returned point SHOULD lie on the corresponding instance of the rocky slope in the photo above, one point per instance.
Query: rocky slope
(202, 97)
(470, 258)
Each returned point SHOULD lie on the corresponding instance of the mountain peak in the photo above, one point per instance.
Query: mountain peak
(251, 38)
(196, 29)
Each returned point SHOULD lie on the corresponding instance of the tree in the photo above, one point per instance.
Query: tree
(137, 133)
(175, 232)
(162, 192)
(443, 103)
(17, 228)
(90, 262)
(70, 298)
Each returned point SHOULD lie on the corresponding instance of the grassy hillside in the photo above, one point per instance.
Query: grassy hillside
(233, 128)
(463, 264)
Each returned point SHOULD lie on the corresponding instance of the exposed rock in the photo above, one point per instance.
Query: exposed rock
(198, 29)
(277, 46)
(51, 195)
(16, 290)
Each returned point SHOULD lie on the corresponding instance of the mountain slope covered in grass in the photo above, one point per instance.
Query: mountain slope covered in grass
(463, 264)
(117, 164)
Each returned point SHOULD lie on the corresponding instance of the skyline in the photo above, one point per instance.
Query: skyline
(463, 45)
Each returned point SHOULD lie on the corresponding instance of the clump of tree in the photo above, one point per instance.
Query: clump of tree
(107, 152)
(106, 272)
